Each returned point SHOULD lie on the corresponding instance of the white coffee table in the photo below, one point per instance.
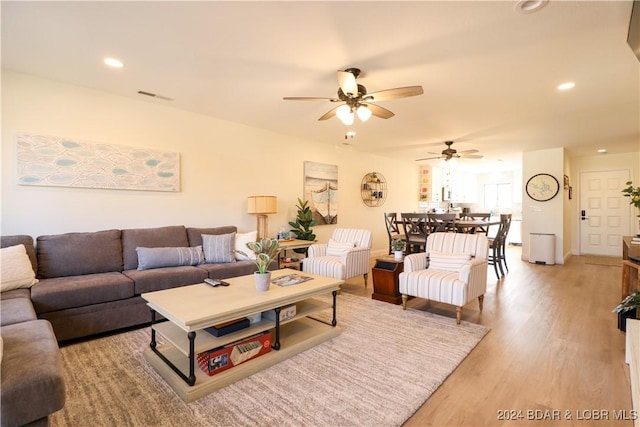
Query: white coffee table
(190, 309)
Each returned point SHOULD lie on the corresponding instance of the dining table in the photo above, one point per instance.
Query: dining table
(471, 225)
(468, 225)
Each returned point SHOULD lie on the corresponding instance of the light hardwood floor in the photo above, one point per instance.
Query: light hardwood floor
(554, 350)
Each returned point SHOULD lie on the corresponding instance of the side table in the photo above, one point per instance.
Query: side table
(385, 279)
(285, 245)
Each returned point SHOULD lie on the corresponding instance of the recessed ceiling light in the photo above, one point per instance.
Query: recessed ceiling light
(113, 62)
(566, 86)
(530, 6)
(602, 150)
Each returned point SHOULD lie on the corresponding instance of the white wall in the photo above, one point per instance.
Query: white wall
(221, 164)
(543, 217)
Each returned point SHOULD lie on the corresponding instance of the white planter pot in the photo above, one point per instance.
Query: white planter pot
(262, 281)
(397, 254)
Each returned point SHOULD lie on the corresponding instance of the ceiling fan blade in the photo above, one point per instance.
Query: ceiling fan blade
(329, 114)
(309, 98)
(378, 111)
(429, 158)
(472, 156)
(468, 151)
(347, 82)
(399, 92)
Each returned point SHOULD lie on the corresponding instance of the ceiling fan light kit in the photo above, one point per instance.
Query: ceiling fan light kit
(356, 99)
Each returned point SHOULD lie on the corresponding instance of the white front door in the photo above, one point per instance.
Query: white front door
(604, 212)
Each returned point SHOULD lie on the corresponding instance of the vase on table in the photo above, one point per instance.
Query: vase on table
(397, 255)
(263, 281)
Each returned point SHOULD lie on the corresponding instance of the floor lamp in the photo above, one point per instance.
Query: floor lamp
(261, 206)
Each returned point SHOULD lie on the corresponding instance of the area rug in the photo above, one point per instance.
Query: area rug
(379, 371)
(603, 260)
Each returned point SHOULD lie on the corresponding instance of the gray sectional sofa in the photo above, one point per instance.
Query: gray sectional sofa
(89, 283)
(32, 384)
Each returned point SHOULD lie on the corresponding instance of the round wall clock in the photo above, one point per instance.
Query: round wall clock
(542, 187)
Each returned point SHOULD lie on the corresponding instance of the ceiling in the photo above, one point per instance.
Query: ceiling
(489, 71)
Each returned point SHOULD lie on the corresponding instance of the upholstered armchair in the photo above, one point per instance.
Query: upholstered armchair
(346, 255)
(452, 271)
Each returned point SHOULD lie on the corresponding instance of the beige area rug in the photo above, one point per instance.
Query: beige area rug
(378, 372)
(603, 260)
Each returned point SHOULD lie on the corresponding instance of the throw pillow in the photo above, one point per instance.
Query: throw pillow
(219, 248)
(16, 271)
(335, 248)
(447, 261)
(149, 258)
(241, 245)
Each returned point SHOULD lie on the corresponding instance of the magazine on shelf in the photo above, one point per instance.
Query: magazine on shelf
(290, 279)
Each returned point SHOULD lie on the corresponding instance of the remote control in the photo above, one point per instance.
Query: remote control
(216, 282)
(212, 282)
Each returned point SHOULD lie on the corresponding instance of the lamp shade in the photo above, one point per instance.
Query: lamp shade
(363, 113)
(262, 204)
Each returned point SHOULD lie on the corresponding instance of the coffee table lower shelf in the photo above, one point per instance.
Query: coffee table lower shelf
(295, 337)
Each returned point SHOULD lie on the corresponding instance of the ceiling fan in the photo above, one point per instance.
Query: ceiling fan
(356, 99)
(451, 153)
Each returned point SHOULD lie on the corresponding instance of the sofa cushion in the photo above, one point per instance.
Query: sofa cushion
(32, 374)
(73, 254)
(446, 261)
(77, 291)
(233, 269)
(195, 234)
(335, 248)
(169, 257)
(16, 293)
(16, 270)
(21, 239)
(16, 310)
(219, 247)
(174, 236)
(164, 278)
(241, 245)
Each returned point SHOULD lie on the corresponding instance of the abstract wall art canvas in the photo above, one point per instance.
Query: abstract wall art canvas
(65, 162)
(321, 191)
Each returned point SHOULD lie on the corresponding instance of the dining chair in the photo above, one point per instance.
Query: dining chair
(505, 219)
(497, 245)
(393, 231)
(479, 216)
(442, 223)
(416, 230)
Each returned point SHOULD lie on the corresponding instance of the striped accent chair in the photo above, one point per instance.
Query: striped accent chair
(452, 271)
(346, 255)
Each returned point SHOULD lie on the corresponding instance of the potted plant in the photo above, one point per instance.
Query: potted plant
(628, 308)
(398, 246)
(266, 251)
(634, 195)
(301, 227)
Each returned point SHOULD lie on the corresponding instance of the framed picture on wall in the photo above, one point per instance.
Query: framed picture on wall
(321, 191)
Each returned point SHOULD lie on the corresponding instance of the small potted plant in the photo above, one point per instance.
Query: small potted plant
(301, 227)
(628, 308)
(266, 252)
(398, 246)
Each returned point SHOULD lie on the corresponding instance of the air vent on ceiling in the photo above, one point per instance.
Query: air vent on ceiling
(153, 95)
